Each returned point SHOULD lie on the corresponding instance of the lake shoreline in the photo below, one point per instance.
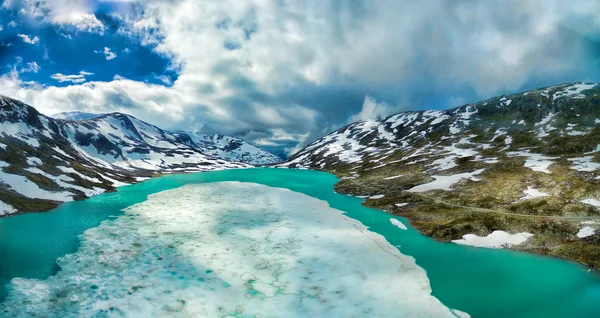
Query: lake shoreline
(456, 272)
(384, 202)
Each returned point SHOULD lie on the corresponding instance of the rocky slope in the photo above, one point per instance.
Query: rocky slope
(45, 161)
(524, 164)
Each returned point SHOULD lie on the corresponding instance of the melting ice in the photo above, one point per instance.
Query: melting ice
(230, 249)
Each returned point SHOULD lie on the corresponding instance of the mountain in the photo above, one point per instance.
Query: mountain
(45, 161)
(526, 164)
(74, 115)
(231, 148)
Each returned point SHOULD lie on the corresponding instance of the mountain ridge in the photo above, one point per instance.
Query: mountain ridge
(520, 163)
(46, 161)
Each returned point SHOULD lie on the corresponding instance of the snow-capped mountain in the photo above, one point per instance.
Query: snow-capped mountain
(526, 163)
(231, 148)
(45, 161)
(75, 115)
(531, 125)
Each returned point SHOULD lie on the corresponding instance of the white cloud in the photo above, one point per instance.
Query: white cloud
(29, 40)
(372, 109)
(12, 24)
(77, 14)
(74, 78)
(107, 53)
(32, 67)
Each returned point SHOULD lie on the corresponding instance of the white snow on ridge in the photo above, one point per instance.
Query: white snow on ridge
(34, 161)
(252, 266)
(71, 170)
(21, 131)
(402, 119)
(63, 182)
(31, 190)
(6, 209)
(573, 91)
(496, 239)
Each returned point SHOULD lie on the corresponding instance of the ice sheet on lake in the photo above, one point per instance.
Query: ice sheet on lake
(230, 249)
(398, 223)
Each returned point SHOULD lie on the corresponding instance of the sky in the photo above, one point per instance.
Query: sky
(282, 73)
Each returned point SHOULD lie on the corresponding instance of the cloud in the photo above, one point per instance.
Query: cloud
(301, 69)
(107, 53)
(75, 78)
(32, 67)
(77, 14)
(372, 109)
(29, 40)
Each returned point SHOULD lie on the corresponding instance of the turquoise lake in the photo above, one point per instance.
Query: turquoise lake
(481, 282)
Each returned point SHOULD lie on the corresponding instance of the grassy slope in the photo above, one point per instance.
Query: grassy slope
(480, 207)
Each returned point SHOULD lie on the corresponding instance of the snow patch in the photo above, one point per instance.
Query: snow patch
(6, 209)
(534, 161)
(34, 161)
(394, 177)
(532, 193)
(584, 164)
(29, 189)
(586, 231)
(593, 202)
(496, 239)
(445, 182)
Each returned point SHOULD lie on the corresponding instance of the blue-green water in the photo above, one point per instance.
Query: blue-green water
(482, 282)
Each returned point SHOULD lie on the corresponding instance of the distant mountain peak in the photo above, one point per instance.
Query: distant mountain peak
(75, 115)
